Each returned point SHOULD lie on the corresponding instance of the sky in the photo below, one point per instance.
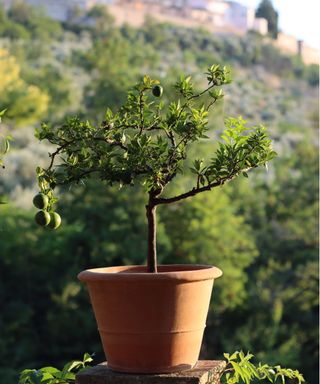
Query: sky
(300, 18)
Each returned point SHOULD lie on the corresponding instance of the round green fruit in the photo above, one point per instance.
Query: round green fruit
(157, 91)
(55, 220)
(42, 218)
(41, 201)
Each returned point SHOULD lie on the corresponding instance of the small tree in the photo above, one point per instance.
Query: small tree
(146, 142)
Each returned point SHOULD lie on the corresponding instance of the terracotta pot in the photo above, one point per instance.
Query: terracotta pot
(151, 323)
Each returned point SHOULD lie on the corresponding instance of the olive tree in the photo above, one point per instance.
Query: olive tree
(147, 142)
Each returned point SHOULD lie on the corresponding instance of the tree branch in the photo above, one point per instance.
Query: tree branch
(211, 104)
(76, 179)
(112, 142)
(186, 104)
(54, 154)
(201, 93)
(67, 143)
(196, 190)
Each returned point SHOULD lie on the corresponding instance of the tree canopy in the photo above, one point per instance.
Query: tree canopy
(25, 103)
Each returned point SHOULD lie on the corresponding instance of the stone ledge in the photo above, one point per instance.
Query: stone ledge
(205, 372)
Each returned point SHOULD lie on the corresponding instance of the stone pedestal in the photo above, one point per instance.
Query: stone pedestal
(205, 372)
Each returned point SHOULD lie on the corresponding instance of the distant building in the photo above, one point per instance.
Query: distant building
(61, 10)
(260, 25)
(240, 16)
(57, 9)
(212, 11)
(217, 15)
(6, 3)
(291, 45)
(228, 14)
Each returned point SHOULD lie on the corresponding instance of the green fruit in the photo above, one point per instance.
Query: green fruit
(41, 201)
(157, 91)
(55, 220)
(42, 218)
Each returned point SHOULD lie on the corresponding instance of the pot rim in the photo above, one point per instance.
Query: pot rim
(167, 272)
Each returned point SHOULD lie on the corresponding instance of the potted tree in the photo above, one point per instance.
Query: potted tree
(150, 318)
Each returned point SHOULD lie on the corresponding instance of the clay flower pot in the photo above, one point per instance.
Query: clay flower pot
(151, 322)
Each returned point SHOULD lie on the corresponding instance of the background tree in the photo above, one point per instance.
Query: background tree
(265, 9)
(25, 102)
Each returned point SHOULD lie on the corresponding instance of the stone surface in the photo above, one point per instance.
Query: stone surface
(205, 372)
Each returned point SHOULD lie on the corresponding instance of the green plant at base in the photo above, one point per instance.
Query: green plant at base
(146, 142)
(51, 375)
(239, 369)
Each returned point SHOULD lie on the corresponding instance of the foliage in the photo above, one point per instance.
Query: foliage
(216, 236)
(109, 81)
(284, 279)
(26, 103)
(25, 21)
(51, 375)
(146, 142)
(313, 75)
(240, 369)
(142, 142)
(266, 10)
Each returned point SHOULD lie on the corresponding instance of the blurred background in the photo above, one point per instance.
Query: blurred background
(59, 58)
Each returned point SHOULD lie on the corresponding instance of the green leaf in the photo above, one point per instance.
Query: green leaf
(234, 355)
(87, 358)
(36, 377)
(6, 146)
(46, 377)
(72, 365)
(51, 370)
(243, 370)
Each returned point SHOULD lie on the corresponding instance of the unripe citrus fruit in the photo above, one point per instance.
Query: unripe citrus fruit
(42, 218)
(55, 220)
(41, 201)
(157, 91)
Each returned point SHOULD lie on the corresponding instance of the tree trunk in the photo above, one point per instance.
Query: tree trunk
(152, 237)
